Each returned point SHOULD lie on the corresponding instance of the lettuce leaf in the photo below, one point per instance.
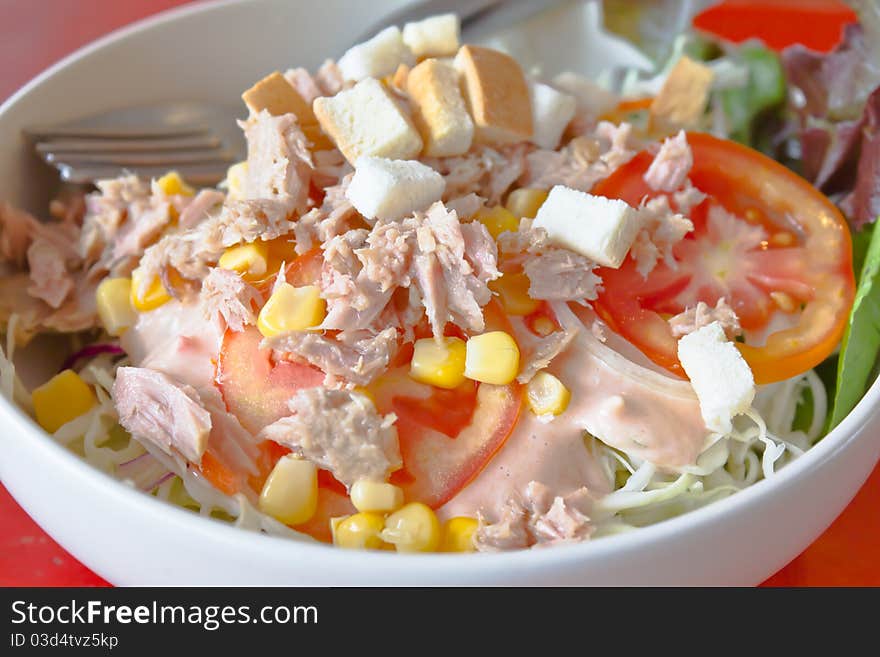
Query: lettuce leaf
(861, 341)
(765, 90)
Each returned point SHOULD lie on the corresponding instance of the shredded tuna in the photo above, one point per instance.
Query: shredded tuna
(350, 358)
(584, 161)
(448, 262)
(305, 85)
(329, 220)
(484, 171)
(339, 431)
(466, 206)
(561, 275)
(543, 353)
(225, 293)
(205, 201)
(69, 207)
(329, 78)
(155, 408)
(537, 518)
(672, 164)
(662, 229)
(279, 163)
(50, 280)
(702, 315)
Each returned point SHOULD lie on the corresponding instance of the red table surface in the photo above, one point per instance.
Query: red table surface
(36, 33)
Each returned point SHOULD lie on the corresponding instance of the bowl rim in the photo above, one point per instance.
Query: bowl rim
(144, 506)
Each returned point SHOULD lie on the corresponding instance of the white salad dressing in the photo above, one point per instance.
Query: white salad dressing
(640, 411)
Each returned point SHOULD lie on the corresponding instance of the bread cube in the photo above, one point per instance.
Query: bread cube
(497, 95)
(376, 58)
(435, 36)
(439, 112)
(393, 189)
(551, 112)
(599, 228)
(367, 120)
(719, 374)
(683, 97)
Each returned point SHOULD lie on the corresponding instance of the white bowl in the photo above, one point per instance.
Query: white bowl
(212, 52)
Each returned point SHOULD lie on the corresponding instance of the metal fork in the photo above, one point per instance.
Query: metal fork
(199, 140)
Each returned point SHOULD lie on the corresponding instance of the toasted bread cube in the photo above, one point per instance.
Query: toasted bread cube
(719, 374)
(683, 97)
(435, 36)
(393, 189)
(376, 58)
(440, 113)
(599, 228)
(590, 97)
(277, 96)
(552, 111)
(497, 95)
(366, 120)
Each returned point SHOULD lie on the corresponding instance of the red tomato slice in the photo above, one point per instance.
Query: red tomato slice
(817, 24)
(726, 256)
(447, 436)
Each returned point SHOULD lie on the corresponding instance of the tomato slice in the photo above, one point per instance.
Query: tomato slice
(817, 24)
(731, 257)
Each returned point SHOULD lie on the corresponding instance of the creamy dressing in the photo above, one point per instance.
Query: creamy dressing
(643, 412)
(176, 339)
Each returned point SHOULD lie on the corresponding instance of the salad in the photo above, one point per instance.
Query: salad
(445, 305)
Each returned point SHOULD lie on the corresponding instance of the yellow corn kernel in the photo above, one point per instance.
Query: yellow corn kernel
(547, 395)
(172, 184)
(378, 496)
(155, 295)
(513, 292)
(362, 531)
(458, 534)
(439, 364)
(492, 358)
(291, 309)
(249, 260)
(235, 176)
(61, 399)
(414, 528)
(526, 202)
(113, 299)
(290, 493)
(497, 220)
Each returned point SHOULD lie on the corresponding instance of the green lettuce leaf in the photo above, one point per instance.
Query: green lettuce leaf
(764, 91)
(861, 341)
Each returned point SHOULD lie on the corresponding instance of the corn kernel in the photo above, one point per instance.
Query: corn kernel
(369, 495)
(439, 364)
(362, 531)
(526, 202)
(249, 260)
(290, 493)
(547, 395)
(497, 220)
(513, 292)
(492, 358)
(235, 177)
(172, 184)
(458, 535)
(113, 299)
(414, 528)
(155, 295)
(61, 399)
(291, 309)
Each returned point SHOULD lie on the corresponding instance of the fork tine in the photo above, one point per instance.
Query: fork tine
(67, 145)
(88, 132)
(140, 159)
(197, 174)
